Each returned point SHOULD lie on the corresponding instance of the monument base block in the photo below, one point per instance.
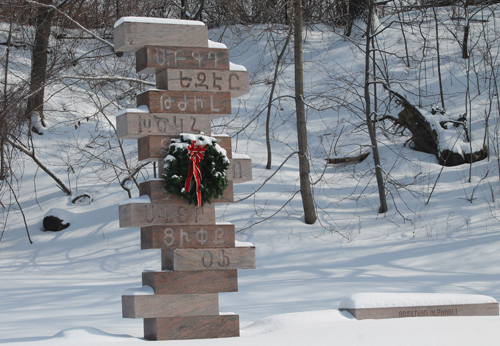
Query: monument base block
(190, 282)
(148, 306)
(192, 327)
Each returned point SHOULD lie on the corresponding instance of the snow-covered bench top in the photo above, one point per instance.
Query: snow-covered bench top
(396, 305)
(391, 300)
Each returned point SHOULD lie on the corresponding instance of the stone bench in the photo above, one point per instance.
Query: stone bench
(399, 305)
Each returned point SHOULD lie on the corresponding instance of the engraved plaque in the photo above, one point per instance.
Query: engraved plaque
(161, 214)
(235, 82)
(132, 34)
(153, 59)
(189, 236)
(138, 125)
(184, 102)
(208, 259)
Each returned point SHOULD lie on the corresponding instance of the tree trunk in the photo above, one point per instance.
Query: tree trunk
(369, 122)
(39, 61)
(358, 10)
(305, 184)
(440, 79)
(3, 124)
(270, 102)
(465, 44)
(184, 9)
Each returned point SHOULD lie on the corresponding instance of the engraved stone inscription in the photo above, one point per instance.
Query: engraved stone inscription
(163, 101)
(240, 170)
(202, 236)
(481, 309)
(236, 82)
(137, 125)
(151, 214)
(429, 312)
(151, 59)
(208, 258)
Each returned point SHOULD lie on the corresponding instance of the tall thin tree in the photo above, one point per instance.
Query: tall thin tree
(305, 183)
(370, 123)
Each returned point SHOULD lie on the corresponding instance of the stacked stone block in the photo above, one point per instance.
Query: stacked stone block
(199, 257)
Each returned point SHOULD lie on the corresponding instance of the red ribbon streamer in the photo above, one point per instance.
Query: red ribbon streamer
(196, 153)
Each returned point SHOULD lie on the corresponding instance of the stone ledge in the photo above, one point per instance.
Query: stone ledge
(163, 214)
(216, 104)
(189, 282)
(153, 59)
(488, 309)
(208, 259)
(155, 189)
(177, 237)
(192, 327)
(131, 35)
(155, 148)
(135, 125)
(235, 82)
(153, 306)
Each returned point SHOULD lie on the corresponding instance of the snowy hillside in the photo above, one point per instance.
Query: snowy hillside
(440, 235)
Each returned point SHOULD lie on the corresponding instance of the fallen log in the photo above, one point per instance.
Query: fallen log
(431, 134)
(350, 159)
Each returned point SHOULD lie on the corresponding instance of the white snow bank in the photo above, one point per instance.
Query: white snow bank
(291, 321)
(157, 21)
(81, 197)
(36, 122)
(243, 244)
(451, 139)
(140, 109)
(62, 214)
(213, 44)
(141, 199)
(390, 300)
(240, 156)
(236, 67)
(86, 335)
(139, 291)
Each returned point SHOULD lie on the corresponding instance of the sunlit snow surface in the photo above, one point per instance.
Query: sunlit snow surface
(65, 288)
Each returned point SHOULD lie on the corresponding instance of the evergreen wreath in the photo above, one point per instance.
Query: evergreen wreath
(212, 167)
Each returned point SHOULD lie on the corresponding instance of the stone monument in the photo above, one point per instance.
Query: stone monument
(194, 83)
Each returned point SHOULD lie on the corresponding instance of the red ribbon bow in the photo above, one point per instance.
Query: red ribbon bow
(196, 153)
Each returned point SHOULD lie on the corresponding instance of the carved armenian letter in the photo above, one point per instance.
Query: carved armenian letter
(208, 258)
(132, 125)
(153, 59)
(181, 102)
(156, 214)
(235, 82)
(190, 236)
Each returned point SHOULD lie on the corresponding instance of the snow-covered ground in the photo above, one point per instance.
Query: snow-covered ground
(65, 288)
